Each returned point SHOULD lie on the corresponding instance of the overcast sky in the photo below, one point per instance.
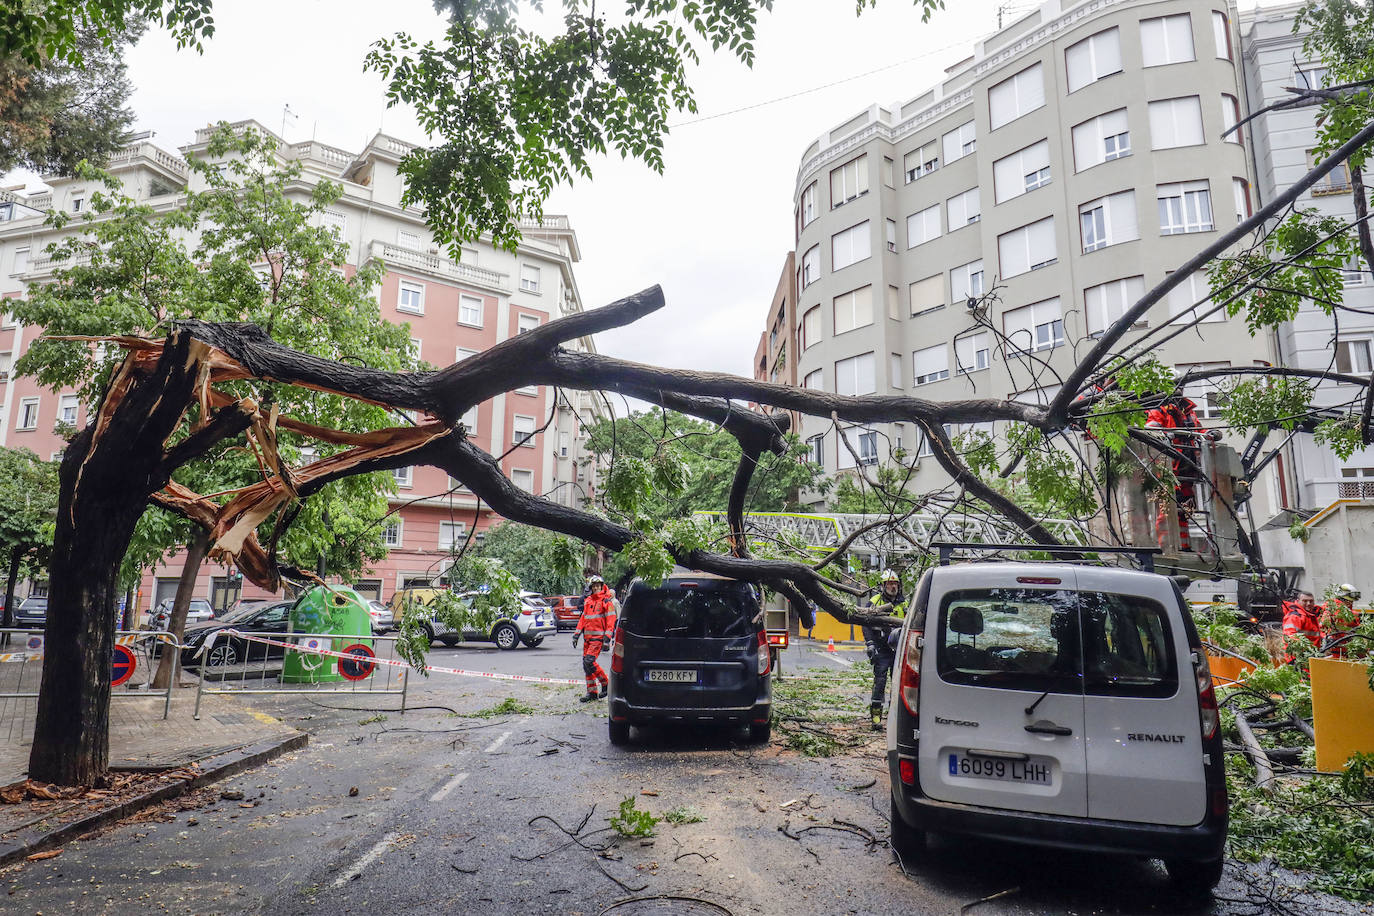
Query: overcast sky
(713, 229)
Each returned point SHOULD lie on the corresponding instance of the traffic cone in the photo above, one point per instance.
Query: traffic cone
(830, 647)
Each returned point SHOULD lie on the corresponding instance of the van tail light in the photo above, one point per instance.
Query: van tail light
(910, 680)
(778, 639)
(764, 657)
(906, 771)
(1206, 696)
(618, 651)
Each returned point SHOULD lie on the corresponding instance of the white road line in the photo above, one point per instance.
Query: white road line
(491, 748)
(372, 855)
(448, 787)
(839, 661)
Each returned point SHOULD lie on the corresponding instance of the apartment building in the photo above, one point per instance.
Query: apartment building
(775, 358)
(455, 309)
(1065, 167)
(1313, 476)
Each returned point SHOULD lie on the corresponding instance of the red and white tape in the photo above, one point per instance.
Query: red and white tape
(393, 662)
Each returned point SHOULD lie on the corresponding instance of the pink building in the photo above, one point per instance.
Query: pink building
(455, 309)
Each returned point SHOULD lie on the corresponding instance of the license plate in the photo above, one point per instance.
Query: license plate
(1035, 771)
(671, 675)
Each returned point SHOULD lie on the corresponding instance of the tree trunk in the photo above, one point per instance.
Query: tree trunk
(16, 555)
(104, 485)
(195, 556)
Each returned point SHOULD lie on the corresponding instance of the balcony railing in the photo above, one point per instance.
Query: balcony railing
(158, 155)
(548, 222)
(440, 266)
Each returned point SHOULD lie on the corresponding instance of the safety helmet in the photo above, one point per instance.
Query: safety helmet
(1347, 591)
(890, 576)
(596, 580)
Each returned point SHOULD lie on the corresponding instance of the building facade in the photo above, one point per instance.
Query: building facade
(972, 241)
(1313, 475)
(775, 358)
(455, 309)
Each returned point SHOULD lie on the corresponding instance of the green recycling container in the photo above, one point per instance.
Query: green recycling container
(335, 610)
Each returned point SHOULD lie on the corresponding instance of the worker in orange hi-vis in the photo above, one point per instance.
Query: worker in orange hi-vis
(1179, 413)
(594, 628)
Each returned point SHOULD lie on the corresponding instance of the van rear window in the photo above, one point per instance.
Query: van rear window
(704, 614)
(1127, 647)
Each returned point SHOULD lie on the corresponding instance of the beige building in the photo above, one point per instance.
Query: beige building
(1067, 166)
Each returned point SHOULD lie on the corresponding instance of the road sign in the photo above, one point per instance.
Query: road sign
(359, 669)
(123, 665)
(34, 643)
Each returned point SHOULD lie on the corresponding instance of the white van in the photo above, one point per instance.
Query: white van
(1058, 705)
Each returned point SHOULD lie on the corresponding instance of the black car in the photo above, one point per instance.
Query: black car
(32, 614)
(270, 619)
(690, 649)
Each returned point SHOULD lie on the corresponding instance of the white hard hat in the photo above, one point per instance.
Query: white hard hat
(890, 576)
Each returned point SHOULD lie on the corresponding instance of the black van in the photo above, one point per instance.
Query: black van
(692, 648)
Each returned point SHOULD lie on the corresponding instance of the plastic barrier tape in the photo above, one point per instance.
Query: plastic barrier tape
(394, 662)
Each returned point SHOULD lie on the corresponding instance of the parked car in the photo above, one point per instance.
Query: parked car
(567, 610)
(32, 614)
(691, 649)
(382, 619)
(1058, 705)
(530, 626)
(271, 619)
(198, 611)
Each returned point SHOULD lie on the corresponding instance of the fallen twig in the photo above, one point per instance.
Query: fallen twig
(988, 899)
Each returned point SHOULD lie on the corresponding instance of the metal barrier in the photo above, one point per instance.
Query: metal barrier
(21, 664)
(236, 664)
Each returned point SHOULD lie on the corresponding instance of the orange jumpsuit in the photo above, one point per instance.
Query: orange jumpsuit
(596, 625)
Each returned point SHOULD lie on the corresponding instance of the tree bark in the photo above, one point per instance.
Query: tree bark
(16, 555)
(186, 586)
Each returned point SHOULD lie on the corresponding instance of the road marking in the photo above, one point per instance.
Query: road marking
(448, 787)
(839, 661)
(491, 748)
(372, 855)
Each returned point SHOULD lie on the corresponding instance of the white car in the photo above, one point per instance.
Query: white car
(1060, 705)
(530, 626)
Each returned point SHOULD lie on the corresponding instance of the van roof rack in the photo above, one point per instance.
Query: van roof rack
(1145, 556)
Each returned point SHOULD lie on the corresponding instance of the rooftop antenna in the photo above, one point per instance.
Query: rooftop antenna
(286, 112)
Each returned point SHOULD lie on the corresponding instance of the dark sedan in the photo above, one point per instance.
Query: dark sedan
(269, 620)
(32, 614)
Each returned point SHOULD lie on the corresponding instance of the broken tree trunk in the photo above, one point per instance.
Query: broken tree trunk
(195, 556)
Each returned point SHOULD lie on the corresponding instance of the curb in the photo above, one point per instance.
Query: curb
(213, 769)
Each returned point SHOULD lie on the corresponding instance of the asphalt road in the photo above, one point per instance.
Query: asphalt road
(472, 814)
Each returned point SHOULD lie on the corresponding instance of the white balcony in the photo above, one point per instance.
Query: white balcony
(440, 266)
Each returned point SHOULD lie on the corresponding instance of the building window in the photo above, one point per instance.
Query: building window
(1230, 117)
(1028, 248)
(470, 310)
(21, 264)
(408, 240)
(811, 327)
(28, 413)
(894, 370)
(416, 344)
(891, 231)
(868, 447)
(1016, 96)
(816, 446)
(450, 534)
(971, 353)
(1107, 302)
(850, 246)
(1357, 483)
(1167, 40)
(1176, 122)
(523, 478)
(469, 420)
(336, 223)
(1336, 181)
(6, 363)
(564, 442)
(1310, 76)
(1352, 357)
(1240, 189)
(921, 161)
(463, 353)
(808, 205)
(402, 476)
(1108, 220)
(960, 142)
(853, 309)
(1022, 171)
(67, 408)
(963, 209)
(923, 226)
(411, 298)
(927, 294)
(814, 380)
(1205, 393)
(1093, 58)
(894, 303)
(1355, 273)
(1034, 327)
(1191, 298)
(1221, 32)
(888, 169)
(811, 266)
(966, 281)
(849, 181)
(391, 534)
(78, 203)
(1100, 140)
(529, 278)
(930, 364)
(854, 376)
(1040, 397)
(526, 323)
(522, 431)
(1185, 207)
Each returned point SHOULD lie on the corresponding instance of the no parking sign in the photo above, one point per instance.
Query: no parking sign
(122, 665)
(359, 667)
